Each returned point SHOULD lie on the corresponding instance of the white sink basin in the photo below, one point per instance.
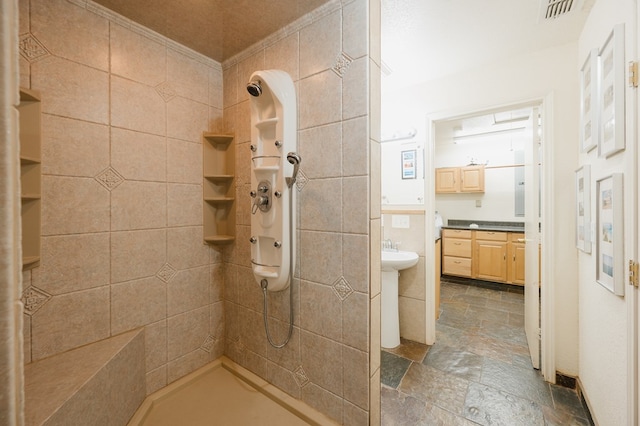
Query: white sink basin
(398, 260)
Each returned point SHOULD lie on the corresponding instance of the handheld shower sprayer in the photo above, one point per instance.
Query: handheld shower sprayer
(294, 159)
(254, 88)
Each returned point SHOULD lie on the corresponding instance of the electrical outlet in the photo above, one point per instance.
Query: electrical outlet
(400, 221)
(478, 203)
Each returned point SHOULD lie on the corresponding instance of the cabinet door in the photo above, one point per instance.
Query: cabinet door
(447, 180)
(517, 263)
(491, 260)
(472, 179)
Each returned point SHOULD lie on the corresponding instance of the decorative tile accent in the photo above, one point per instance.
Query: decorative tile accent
(166, 273)
(300, 376)
(31, 48)
(109, 178)
(166, 91)
(342, 64)
(301, 180)
(342, 288)
(208, 343)
(33, 299)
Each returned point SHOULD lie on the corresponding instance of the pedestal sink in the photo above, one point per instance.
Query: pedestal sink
(392, 263)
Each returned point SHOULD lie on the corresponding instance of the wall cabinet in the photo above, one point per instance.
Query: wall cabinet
(451, 180)
(218, 189)
(484, 255)
(30, 176)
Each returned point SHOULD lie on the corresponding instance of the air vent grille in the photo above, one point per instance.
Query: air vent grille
(551, 9)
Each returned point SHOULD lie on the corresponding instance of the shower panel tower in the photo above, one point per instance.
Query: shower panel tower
(274, 164)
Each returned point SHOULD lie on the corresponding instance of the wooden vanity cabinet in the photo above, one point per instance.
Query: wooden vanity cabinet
(516, 259)
(491, 256)
(451, 180)
(457, 251)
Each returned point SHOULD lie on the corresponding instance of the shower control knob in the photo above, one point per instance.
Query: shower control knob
(253, 194)
(253, 240)
(278, 194)
(278, 144)
(253, 148)
(277, 244)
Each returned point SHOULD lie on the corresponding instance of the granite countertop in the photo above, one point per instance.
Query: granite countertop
(485, 225)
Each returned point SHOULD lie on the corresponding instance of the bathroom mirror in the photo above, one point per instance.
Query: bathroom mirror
(402, 163)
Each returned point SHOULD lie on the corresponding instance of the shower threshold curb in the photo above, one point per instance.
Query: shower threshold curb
(295, 406)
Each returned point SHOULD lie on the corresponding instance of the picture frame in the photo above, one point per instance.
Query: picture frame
(589, 81)
(583, 208)
(409, 164)
(611, 100)
(610, 271)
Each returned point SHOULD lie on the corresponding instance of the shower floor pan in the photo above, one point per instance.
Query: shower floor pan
(224, 393)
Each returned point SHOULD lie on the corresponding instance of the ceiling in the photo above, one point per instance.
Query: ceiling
(218, 29)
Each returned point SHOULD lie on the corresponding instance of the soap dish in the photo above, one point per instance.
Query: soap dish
(474, 226)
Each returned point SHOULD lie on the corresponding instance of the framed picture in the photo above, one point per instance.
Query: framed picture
(611, 98)
(609, 241)
(583, 208)
(589, 80)
(409, 164)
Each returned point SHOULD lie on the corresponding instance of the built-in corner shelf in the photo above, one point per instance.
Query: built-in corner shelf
(218, 189)
(30, 176)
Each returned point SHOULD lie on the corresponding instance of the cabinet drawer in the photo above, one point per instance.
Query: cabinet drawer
(491, 236)
(457, 247)
(456, 266)
(456, 233)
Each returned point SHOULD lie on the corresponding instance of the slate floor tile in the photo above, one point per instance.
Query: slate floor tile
(460, 363)
(489, 406)
(437, 387)
(392, 369)
(525, 383)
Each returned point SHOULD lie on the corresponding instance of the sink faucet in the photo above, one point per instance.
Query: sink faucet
(388, 245)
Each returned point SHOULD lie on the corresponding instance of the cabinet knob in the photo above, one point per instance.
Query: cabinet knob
(253, 240)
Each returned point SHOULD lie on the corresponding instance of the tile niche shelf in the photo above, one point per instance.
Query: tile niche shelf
(218, 190)
(30, 176)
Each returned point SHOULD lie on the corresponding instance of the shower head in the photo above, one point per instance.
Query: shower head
(254, 88)
(294, 159)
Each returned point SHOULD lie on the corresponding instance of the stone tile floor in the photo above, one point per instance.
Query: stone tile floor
(478, 372)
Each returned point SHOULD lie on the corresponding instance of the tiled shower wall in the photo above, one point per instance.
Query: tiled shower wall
(123, 113)
(327, 362)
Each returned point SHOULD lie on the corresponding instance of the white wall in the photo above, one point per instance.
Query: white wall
(522, 78)
(603, 316)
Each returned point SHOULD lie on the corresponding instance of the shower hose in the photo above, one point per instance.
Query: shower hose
(264, 282)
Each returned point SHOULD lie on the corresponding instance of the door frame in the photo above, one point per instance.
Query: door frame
(547, 300)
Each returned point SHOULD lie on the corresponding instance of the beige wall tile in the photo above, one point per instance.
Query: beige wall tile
(25, 72)
(355, 321)
(188, 290)
(355, 261)
(412, 318)
(189, 77)
(323, 401)
(139, 156)
(216, 120)
(232, 326)
(412, 238)
(184, 162)
(216, 325)
(255, 363)
(355, 148)
(73, 205)
(231, 282)
(243, 122)
(136, 106)
(69, 321)
(354, 28)
(184, 204)
(375, 231)
(355, 198)
(321, 205)
(375, 12)
(374, 335)
(73, 147)
(26, 334)
(320, 100)
(245, 69)
(23, 17)
(279, 304)
(320, 44)
(155, 343)
(283, 55)
(156, 379)
(320, 257)
(321, 151)
(137, 303)
(283, 379)
(375, 181)
(355, 416)
(74, 262)
(216, 288)
(375, 106)
(187, 119)
(252, 334)
(138, 205)
(289, 356)
(355, 365)
(230, 86)
(249, 291)
(184, 365)
(317, 354)
(215, 88)
(71, 32)
(185, 247)
(137, 254)
(186, 332)
(374, 399)
(355, 89)
(243, 164)
(73, 90)
(127, 381)
(320, 310)
(412, 281)
(136, 57)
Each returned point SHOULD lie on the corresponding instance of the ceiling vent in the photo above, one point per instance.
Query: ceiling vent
(552, 9)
